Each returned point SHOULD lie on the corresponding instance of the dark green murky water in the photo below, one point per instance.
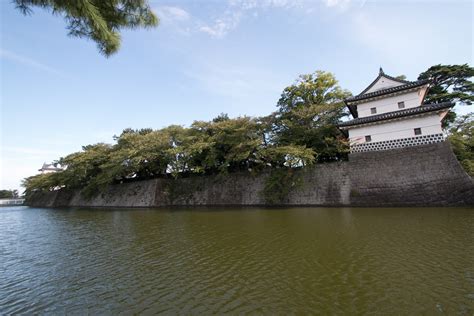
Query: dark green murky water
(262, 261)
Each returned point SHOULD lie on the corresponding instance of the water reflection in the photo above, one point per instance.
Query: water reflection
(306, 260)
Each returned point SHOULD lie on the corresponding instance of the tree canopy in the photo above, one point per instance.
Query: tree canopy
(218, 146)
(309, 111)
(300, 133)
(98, 20)
(461, 136)
(449, 83)
(9, 194)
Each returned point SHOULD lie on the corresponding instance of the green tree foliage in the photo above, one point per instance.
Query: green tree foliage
(84, 166)
(301, 133)
(98, 20)
(42, 182)
(292, 156)
(308, 113)
(461, 136)
(279, 184)
(187, 150)
(219, 146)
(221, 117)
(8, 194)
(235, 144)
(450, 83)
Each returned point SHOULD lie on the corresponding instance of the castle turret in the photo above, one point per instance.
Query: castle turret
(390, 114)
(49, 168)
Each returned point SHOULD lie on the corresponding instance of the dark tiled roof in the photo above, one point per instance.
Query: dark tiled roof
(387, 91)
(382, 74)
(352, 101)
(396, 114)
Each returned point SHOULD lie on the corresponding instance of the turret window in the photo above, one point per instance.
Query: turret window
(368, 138)
(401, 105)
(373, 110)
(417, 131)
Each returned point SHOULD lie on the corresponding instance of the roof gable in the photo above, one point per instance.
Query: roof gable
(383, 85)
(383, 81)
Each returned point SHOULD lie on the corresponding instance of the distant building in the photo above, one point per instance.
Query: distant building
(49, 168)
(390, 114)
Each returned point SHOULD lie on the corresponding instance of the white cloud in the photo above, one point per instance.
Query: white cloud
(223, 25)
(9, 55)
(337, 3)
(177, 18)
(238, 9)
(170, 14)
(263, 4)
(234, 12)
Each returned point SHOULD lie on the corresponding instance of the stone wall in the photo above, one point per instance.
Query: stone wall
(415, 176)
(426, 175)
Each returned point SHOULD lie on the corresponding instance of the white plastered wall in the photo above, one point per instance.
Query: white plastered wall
(390, 104)
(384, 83)
(403, 128)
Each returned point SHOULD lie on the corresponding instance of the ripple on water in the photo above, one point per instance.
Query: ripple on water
(312, 260)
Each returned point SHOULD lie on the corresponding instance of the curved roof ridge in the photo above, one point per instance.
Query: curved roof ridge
(423, 108)
(383, 74)
(388, 90)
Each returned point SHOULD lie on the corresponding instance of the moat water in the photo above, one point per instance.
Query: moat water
(237, 261)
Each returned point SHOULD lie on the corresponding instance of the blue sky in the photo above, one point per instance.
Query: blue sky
(206, 57)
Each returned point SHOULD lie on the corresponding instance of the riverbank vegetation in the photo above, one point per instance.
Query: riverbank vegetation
(462, 141)
(300, 133)
(453, 83)
(9, 194)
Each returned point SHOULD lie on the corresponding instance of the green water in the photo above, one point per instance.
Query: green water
(237, 261)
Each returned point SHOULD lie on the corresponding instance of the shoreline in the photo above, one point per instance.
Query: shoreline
(427, 175)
